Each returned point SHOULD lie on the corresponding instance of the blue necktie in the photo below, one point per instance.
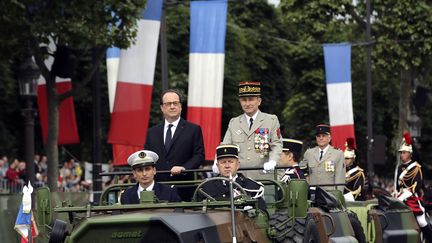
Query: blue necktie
(321, 154)
(168, 137)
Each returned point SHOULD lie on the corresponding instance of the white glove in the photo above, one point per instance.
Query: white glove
(215, 169)
(270, 165)
(349, 197)
(404, 195)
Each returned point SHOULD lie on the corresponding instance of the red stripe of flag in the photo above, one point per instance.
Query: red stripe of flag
(209, 120)
(131, 114)
(340, 134)
(68, 130)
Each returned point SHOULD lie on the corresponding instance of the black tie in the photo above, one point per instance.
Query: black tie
(321, 154)
(168, 138)
(250, 123)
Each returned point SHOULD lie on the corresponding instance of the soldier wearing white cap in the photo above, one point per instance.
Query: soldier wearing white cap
(409, 185)
(143, 168)
(355, 177)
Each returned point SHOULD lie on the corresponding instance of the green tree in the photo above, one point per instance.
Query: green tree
(81, 26)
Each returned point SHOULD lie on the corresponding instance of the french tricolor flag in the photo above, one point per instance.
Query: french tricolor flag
(68, 129)
(206, 69)
(130, 115)
(120, 151)
(337, 58)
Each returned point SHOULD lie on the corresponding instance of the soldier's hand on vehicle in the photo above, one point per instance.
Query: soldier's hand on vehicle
(175, 170)
(270, 165)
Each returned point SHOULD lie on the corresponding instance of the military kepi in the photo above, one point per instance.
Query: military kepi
(249, 89)
(142, 158)
(292, 145)
(227, 150)
(323, 129)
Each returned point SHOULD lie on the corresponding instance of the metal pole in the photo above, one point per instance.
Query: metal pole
(97, 133)
(163, 48)
(233, 224)
(370, 140)
(29, 114)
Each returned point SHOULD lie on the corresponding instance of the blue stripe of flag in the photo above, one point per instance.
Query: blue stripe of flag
(153, 10)
(208, 26)
(113, 52)
(337, 58)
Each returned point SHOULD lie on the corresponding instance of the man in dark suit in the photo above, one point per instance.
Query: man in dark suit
(178, 143)
(143, 167)
(228, 164)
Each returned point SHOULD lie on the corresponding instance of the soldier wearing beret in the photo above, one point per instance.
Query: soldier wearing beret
(228, 164)
(143, 167)
(256, 133)
(291, 152)
(355, 177)
(326, 164)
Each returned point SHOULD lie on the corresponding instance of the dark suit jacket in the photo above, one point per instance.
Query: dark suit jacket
(187, 149)
(162, 192)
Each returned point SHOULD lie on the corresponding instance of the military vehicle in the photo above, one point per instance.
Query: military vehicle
(294, 215)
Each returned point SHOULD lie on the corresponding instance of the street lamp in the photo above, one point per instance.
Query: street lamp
(27, 77)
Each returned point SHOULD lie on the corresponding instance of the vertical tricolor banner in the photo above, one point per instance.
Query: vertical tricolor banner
(206, 69)
(68, 129)
(120, 151)
(130, 116)
(337, 58)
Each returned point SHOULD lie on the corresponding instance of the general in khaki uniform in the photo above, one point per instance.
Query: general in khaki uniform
(326, 164)
(256, 133)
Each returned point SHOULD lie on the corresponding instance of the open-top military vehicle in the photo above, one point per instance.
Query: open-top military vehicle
(291, 217)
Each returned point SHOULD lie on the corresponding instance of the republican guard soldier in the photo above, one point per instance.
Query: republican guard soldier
(355, 177)
(409, 185)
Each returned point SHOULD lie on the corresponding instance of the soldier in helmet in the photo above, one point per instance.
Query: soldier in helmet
(355, 178)
(228, 164)
(143, 168)
(409, 184)
(291, 152)
(256, 133)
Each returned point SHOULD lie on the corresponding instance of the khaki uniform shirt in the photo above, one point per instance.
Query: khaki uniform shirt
(238, 133)
(329, 170)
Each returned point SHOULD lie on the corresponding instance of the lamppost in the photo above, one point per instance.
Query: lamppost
(28, 76)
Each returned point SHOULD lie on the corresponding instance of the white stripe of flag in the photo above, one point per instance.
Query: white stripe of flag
(206, 69)
(337, 58)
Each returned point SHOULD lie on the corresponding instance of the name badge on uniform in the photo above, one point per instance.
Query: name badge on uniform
(329, 166)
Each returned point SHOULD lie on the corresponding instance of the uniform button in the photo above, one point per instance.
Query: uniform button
(223, 195)
(250, 139)
(248, 158)
(249, 148)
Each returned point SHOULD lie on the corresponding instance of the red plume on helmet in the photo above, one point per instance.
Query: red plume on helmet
(407, 138)
(406, 143)
(350, 143)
